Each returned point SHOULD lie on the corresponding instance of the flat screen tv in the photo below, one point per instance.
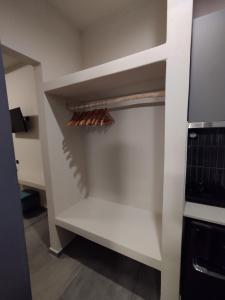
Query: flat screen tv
(17, 120)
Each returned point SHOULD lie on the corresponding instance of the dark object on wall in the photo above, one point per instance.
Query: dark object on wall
(205, 180)
(19, 123)
(14, 273)
(203, 261)
(207, 81)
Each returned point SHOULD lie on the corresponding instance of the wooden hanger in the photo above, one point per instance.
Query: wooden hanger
(96, 117)
(107, 120)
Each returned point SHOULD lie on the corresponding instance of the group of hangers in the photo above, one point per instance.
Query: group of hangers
(96, 117)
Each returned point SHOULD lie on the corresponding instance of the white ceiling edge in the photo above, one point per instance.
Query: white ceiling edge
(82, 13)
(13, 60)
(11, 63)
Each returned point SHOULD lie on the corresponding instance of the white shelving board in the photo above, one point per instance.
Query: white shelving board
(131, 231)
(205, 213)
(128, 74)
(31, 180)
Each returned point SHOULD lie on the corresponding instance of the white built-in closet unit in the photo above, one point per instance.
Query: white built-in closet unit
(122, 186)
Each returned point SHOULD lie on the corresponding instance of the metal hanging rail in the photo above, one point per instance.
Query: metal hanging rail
(123, 102)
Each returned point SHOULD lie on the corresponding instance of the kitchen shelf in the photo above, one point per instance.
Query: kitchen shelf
(130, 74)
(131, 231)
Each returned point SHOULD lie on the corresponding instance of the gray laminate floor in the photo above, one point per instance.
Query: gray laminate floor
(85, 271)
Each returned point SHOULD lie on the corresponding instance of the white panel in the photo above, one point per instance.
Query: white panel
(21, 91)
(124, 162)
(32, 180)
(68, 173)
(133, 232)
(132, 29)
(177, 88)
(121, 163)
(133, 70)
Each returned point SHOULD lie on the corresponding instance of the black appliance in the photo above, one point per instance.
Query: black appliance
(203, 261)
(19, 123)
(205, 178)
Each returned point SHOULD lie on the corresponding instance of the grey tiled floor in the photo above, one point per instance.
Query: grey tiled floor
(85, 271)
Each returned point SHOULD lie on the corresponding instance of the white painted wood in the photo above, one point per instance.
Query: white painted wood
(205, 213)
(131, 231)
(31, 180)
(136, 100)
(177, 88)
(131, 70)
(58, 50)
(59, 238)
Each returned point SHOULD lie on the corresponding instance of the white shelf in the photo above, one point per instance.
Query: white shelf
(31, 180)
(205, 213)
(133, 73)
(133, 232)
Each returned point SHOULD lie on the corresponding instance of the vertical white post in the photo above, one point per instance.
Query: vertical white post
(177, 88)
(58, 236)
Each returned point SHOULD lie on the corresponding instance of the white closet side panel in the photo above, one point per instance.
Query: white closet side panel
(66, 157)
(177, 89)
(124, 163)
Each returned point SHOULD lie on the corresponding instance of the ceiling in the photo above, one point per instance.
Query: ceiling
(82, 13)
(13, 60)
(10, 62)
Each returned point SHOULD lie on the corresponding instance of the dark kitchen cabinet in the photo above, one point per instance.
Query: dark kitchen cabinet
(207, 81)
(203, 261)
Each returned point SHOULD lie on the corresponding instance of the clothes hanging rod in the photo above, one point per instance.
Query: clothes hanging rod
(123, 102)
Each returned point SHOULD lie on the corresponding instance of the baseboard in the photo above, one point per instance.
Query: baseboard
(54, 252)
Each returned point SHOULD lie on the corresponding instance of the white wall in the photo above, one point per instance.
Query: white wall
(40, 32)
(122, 163)
(204, 7)
(21, 90)
(36, 30)
(125, 162)
(133, 29)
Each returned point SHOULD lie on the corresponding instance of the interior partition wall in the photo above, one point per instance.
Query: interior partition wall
(15, 281)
